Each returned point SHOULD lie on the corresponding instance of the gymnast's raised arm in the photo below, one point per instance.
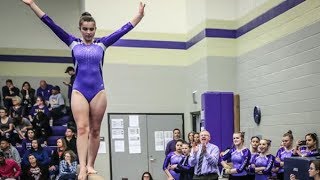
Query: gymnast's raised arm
(64, 36)
(114, 37)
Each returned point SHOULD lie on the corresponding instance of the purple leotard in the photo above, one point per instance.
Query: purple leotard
(282, 154)
(172, 158)
(307, 153)
(263, 161)
(239, 159)
(88, 59)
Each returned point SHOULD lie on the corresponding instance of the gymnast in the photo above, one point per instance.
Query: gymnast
(89, 99)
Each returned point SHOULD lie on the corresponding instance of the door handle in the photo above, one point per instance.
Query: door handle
(152, 159)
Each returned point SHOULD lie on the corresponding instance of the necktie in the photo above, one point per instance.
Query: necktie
(184, 160)
(200, 163)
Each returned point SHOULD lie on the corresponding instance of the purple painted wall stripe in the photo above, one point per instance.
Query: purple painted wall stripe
(39, 59)
(150, 44)
(267, 16)
(208, 32)
(197, 38)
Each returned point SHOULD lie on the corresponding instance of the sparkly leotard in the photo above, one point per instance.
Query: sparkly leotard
(88, 59)
(263, 161)
(172, 158)
(282, 154)
(239, 159)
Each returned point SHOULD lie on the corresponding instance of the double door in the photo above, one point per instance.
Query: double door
(138, 142)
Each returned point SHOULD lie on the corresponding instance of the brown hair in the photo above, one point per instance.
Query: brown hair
(268, 142)
(241, 135)
(289, 134)
(64, 144)
(150, 177)
(316, 165)
(72, 155)
(314, 137)
(253, 137)
(5, 110)
(86, 17)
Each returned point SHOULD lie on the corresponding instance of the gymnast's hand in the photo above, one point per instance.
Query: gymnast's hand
(28, 2)
(139, 16)
(141, 8)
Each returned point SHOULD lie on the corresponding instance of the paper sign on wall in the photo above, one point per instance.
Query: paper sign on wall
(117, 123)
(133, 121)
(134, 140)
(119, 146)
(117, 133)
(159, 140)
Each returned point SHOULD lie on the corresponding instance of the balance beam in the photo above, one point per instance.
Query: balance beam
(95, 177)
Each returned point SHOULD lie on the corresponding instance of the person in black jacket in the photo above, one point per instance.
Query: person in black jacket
(28, 97)
(9, 91)
(184, 168)
(71, 140)
(40, 124)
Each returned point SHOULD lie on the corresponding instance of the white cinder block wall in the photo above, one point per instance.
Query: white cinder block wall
(24, 29)
(196, 76)
(283, 78)
(221, 73)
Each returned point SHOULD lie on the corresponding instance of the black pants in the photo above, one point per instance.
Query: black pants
(280, 176)
(67, 177)
(212, 176)
(57, 112)
(251, 177)
(238, 177)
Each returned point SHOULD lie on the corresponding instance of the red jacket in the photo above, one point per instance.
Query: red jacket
(10, 169)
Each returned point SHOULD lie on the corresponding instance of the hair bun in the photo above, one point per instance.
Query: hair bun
(289, 132)
(85, 14)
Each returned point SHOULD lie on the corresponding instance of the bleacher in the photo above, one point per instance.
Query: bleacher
(58, 130)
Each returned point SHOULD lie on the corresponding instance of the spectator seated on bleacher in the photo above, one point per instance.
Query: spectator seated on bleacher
(56, 157)
(9, 91)
(34, 170)
(21, 125)
(28, 96)
(68, 166)
(40, 106)
(57, 105)
(38, 152)
(9, 168)
(16, 109)
(9, 151)
(44, 90)
(27, 141)
(40, 124)
(71, 139)
(6, 125)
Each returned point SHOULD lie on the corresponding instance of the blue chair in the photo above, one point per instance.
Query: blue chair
(58, 130)
(61, 121)
(52, 140)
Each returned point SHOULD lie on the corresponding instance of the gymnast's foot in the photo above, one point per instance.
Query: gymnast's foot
(91, 170)
(82, 173)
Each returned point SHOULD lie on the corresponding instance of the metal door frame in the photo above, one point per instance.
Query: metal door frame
(194, 122)
(109, 133)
